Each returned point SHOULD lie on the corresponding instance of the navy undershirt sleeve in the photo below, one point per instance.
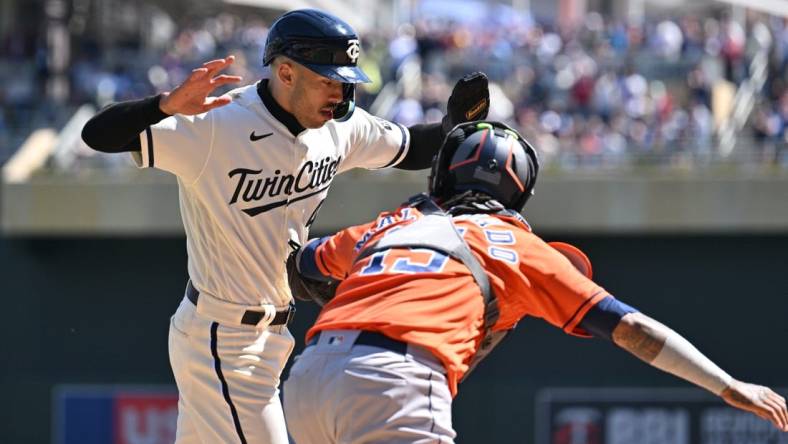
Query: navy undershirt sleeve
(117, 128)
(425, 140)
(603, 317)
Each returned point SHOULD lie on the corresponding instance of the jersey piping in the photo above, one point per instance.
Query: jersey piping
(400, 154)
(149, 136)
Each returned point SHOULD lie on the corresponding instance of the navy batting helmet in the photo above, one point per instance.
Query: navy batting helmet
(489, 157)
(323, 43)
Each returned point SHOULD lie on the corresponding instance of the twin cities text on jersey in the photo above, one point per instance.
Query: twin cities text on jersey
(254, 186)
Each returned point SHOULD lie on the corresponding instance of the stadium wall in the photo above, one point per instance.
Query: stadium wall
(647, 201)
(92, 310)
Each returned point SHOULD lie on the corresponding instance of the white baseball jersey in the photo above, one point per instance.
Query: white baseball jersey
(247, 186)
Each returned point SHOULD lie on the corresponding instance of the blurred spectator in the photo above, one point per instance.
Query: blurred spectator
(402, 46)
(590, 97)
(407, 111)
(669, 40)
(607, 93)
(732, 49)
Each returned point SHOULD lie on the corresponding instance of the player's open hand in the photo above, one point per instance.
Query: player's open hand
(191, 96)
(759, 400)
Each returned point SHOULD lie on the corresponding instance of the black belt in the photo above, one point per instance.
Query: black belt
(373, 339)
(251, 317)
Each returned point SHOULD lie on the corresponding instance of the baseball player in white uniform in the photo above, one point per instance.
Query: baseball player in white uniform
(253, 167)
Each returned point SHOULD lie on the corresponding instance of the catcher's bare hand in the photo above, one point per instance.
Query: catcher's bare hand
(759, 400)
(191, 96)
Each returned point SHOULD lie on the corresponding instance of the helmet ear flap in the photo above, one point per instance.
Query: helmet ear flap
(440, 163)
(453, 140)
(345, 109)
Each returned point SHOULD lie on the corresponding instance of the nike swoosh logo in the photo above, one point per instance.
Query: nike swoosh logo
(254, 138)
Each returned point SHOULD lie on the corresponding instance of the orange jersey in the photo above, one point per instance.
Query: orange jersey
(426, 298)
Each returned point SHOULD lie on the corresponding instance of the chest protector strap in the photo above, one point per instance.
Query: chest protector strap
(436, 231)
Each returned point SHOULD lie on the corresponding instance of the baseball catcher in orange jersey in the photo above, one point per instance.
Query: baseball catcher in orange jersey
(427, 290)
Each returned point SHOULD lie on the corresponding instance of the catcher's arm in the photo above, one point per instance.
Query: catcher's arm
(336, 255)
(666, 350)
(306, 281)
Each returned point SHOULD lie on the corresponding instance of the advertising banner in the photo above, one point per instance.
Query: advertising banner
(646, 416)
(87, 414)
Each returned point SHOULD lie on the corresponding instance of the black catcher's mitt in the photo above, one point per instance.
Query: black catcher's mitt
(469, 100)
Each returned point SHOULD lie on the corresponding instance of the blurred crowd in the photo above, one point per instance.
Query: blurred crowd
(601, 93)
(609, 93)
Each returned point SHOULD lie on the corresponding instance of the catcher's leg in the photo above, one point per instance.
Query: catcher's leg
(394, 399)
(339, 392)
(310, 419)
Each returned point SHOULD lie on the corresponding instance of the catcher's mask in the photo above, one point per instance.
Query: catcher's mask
(489, 157)
(323, 43)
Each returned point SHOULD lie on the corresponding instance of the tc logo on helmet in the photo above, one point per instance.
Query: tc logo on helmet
(353, 50)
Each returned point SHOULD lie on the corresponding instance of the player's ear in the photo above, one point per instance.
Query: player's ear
(285, 71)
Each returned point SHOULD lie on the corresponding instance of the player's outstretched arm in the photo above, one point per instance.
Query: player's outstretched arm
(191, 96)
(665, 349)
(117, 127)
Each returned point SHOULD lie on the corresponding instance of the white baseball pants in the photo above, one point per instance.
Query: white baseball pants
(341, 393)
(228, 379)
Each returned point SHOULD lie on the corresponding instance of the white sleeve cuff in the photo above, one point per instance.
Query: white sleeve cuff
(144, 158)
(403, 147)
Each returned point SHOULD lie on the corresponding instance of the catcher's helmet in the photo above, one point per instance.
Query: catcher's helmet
(489, 157)
(323, 43)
